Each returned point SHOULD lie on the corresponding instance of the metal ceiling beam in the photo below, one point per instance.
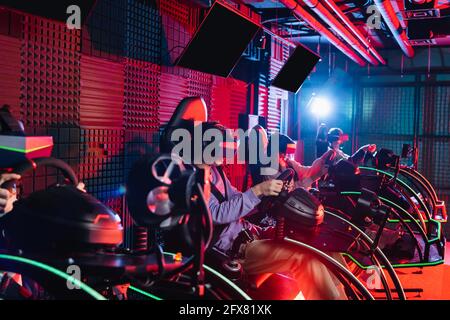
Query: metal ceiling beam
(354, 29)
(340, 29)
(321, 29)
(390, 17)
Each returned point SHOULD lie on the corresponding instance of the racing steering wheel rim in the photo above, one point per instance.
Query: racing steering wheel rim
(32, 165)
(285, 176)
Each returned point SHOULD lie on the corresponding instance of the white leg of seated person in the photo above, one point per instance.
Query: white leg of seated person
(314, 279)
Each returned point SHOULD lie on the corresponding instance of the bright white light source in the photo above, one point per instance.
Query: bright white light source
(321, 107)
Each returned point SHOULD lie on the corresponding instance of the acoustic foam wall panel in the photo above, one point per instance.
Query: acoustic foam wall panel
(141, 106)
(200, 84)
(11, 23)
(50, 73)
(102, 93)
(279, 56)
(392, 142)
(386, 117)
(172, 90)
(138, 144)
(101, 165)
(143, 31)
(10, 73)
(104, 33)
(263, 100)
(229, 99)
(178, 26)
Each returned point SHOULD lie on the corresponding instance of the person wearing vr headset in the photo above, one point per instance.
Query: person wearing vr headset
(305, 175)
(336, 138)
(253, 245)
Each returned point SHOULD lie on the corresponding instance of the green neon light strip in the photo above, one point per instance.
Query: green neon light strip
(403, 184)
(404, 211)
(144, 293)
(222, 277)
(429, 241)
(398, 266)
(23, 150)
(56, 272)
(417, 220)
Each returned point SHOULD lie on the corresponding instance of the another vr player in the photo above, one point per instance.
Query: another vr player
(336, 138)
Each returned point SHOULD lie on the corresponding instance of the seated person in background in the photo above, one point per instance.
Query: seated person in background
(229, 208)
(305, 175)
(336, 138)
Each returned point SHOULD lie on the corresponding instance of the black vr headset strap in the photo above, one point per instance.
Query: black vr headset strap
(220, 197)
(8, 124)
(218, 229)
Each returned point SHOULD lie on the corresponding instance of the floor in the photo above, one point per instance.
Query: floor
(435, 281)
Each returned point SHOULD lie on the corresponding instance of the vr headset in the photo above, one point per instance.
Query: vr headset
(15, 146)
(336, 134)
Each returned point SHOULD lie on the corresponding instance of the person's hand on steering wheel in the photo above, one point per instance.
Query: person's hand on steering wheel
(81, 186)
(268, 188)
(7, 196)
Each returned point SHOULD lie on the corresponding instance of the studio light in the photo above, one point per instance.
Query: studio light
(320, 106)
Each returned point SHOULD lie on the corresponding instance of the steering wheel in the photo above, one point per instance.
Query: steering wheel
(369, 156)
(160, 192)
(32, 165)
(149, 180)
(286, 176)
